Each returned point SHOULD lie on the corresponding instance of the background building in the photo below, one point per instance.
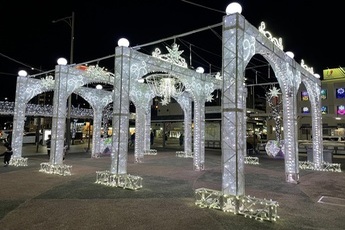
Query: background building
(333, 105)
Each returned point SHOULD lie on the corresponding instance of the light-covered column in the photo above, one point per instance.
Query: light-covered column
(185, 102)
(147, 143)
(96, 132)
(202, 134)
(19, 116)
(317, 131)
(233, 107)
(291, 80)
(314, 92)
(187, 109)
(245, 152)
(119, 152)
(139, 134)
(59, 114)
(198, 119)
(188, 129)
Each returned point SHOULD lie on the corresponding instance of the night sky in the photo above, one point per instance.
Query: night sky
(28, 38)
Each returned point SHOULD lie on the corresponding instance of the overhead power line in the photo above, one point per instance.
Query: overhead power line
(177, 36)
(192, 3)
(9, 74)
(19, 62)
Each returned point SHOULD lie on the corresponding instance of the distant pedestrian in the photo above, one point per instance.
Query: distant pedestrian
(152, 136)
(9, 138)
(132, 139)
(181, 139)
(48, 143)
(7, 154)
(65, 149)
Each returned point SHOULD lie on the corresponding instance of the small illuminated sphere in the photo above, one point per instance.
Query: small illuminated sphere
(62, 61)
(316, 75)
(233, 7)
(123, 42)
(200, 70)
(22, 73)
(99, 87)
(290, 54)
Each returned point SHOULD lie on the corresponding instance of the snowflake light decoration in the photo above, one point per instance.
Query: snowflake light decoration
(174, 55)
(274, 92)
(209, 98)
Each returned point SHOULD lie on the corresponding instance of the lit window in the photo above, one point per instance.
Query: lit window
(324, 110)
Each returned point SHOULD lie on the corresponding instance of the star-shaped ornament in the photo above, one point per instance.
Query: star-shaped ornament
(209, 98)
(174, 52)
(274, 92)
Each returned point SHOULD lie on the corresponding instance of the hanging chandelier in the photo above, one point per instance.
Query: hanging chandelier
(165, 86)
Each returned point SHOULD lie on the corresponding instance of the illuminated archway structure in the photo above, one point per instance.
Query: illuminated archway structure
(241, 41)
(63, 85)
(130, 67)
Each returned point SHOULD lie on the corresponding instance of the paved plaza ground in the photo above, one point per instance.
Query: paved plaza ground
(30, 199)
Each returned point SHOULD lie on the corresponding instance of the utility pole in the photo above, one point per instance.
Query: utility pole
(70, 21)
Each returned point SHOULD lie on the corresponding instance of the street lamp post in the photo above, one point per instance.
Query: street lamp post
(70, 21)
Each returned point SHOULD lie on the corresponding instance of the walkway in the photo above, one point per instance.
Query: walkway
(30, 199)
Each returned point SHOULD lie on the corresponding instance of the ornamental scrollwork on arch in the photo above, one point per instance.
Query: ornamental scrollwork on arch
(277, 41)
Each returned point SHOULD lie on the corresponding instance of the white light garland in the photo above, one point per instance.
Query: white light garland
(278, 42)
(309, 69)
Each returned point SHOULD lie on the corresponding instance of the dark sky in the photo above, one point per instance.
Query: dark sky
(313, 30)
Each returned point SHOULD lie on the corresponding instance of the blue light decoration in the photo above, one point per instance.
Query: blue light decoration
(324, 109)
(340, 93)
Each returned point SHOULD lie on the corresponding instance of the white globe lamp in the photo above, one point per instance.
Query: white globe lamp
(123, 42)
(233, 8)
(22, 73)
(290, 54)
(317, 75)
(62, 61)
(200, 70)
